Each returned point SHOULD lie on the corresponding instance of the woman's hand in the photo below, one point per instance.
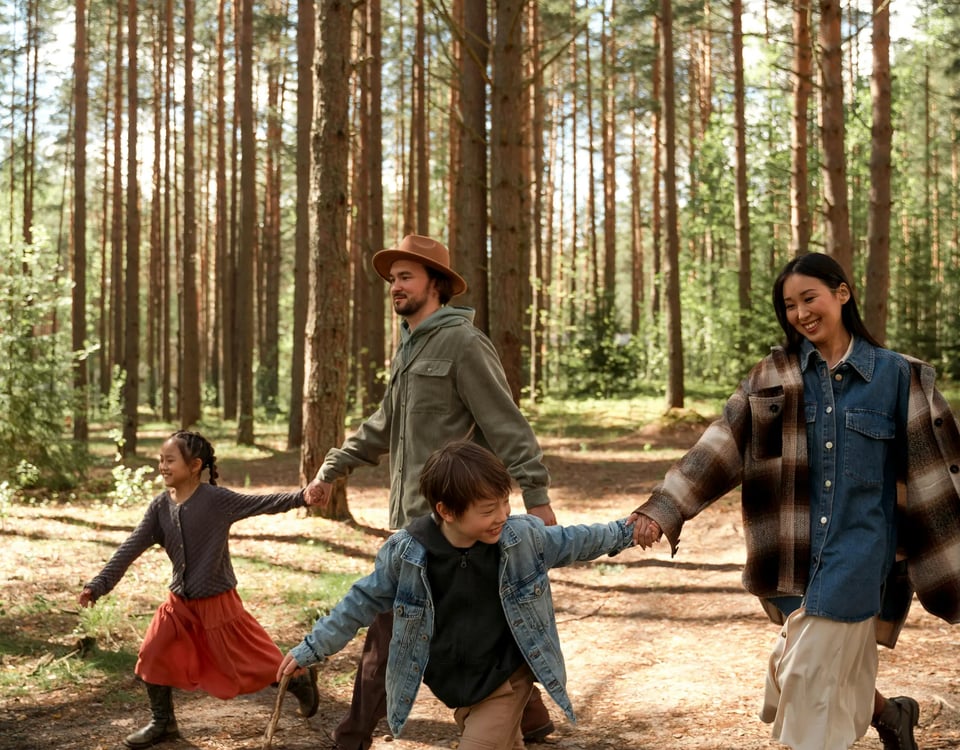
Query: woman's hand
(646, 531)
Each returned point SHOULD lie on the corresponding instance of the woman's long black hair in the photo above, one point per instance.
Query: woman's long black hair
(825, 268)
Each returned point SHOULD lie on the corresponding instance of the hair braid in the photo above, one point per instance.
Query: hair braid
(194, 445)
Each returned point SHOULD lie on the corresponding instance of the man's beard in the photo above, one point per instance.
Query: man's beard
(407, 306)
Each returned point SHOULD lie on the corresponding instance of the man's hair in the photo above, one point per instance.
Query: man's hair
(442, 283)
(460, 473)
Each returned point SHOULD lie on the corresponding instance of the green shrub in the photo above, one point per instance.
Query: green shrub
(35, 372)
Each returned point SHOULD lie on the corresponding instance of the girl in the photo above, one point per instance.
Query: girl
(201, 637)
(818, 434)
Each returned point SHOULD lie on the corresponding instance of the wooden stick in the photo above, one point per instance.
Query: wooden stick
(272, 726)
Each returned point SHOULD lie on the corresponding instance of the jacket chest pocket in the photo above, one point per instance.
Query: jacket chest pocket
(766, 418)
(867, 438)
(430, 387)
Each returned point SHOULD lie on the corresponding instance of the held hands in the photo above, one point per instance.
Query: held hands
(317, 493)
(646, 531)
(544, 513)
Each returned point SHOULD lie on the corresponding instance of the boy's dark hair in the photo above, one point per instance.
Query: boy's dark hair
(194, 445)
(823, 267)
(460, 473)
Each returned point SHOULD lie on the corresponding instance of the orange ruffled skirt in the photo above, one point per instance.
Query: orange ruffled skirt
(210, 644)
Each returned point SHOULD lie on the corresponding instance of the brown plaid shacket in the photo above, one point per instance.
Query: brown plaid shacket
(759, 442)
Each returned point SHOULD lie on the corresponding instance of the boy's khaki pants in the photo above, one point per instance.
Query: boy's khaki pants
(494, 722)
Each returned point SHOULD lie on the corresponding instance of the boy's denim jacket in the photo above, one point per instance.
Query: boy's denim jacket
(528, 549)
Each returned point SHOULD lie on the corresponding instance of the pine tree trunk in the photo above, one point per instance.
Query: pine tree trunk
(131, 348)
(510, 198)
(878, 233)
(369, 287)
(675, 386)
(741, 200)
(608, 141)
(540, 281)
(836, 206)
(79, 299)
(469, 246)
(190, 309)
(799, 172)
(306, 36)
(246, 238)
(328, 319)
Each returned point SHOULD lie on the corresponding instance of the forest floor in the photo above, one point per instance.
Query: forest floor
(661, 653)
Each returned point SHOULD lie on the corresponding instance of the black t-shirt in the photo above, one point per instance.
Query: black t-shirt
(472, 651)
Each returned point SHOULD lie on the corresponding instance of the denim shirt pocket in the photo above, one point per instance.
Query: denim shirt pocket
(867, 436)
(766, 422)
(430, 388)
(408, 615)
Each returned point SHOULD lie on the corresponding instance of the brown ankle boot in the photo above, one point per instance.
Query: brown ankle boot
(895, 723)
(535, 725)
(304, 688)
(163, 725)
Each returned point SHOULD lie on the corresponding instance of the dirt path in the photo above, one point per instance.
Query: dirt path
(661, 653)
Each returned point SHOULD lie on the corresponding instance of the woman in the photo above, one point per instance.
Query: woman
(819, 434)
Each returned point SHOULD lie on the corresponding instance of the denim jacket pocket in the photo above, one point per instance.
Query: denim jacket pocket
(766, 422)
(430, 388)
(408, 620)
(868, 436)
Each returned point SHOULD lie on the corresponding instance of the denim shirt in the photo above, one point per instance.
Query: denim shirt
(528, 549)
(856, 421)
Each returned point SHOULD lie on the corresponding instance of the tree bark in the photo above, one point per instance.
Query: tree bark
(877, 286)
(836, 206)
(675, 385)
(248, 222)
(608, 145)
(369, 290)
(131, 348)
(510, 198)
(190, 309)
(741, 199)
(79, 298)
(306, 44)
(799, 172)
(469, 246)
(328, 319)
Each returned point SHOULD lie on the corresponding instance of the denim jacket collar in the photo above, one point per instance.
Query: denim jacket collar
(863, 358)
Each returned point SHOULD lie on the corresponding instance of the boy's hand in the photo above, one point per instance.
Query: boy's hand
(289, 666)
(646, 531)
(86, 597)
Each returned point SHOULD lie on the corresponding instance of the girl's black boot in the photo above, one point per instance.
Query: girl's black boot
(163, 725)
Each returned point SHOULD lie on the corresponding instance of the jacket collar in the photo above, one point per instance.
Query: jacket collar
(863, 357)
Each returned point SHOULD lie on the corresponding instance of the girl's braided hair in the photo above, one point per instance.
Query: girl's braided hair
(194, 445)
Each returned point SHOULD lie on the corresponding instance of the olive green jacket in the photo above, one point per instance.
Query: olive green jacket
(446, 383)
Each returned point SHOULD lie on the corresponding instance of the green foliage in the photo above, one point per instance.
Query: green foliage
(105, 622)
(602, 361)
(35, 397)
(134, 487)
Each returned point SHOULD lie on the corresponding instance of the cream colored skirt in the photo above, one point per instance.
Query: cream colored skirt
(820, 682)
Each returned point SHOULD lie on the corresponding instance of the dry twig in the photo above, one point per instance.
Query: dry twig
(272, 726)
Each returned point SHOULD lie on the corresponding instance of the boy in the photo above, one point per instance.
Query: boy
(473, 614)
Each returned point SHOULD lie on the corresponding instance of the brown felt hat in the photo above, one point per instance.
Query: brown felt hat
(423, 250)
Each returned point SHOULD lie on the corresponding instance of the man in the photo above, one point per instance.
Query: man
(446, 384)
